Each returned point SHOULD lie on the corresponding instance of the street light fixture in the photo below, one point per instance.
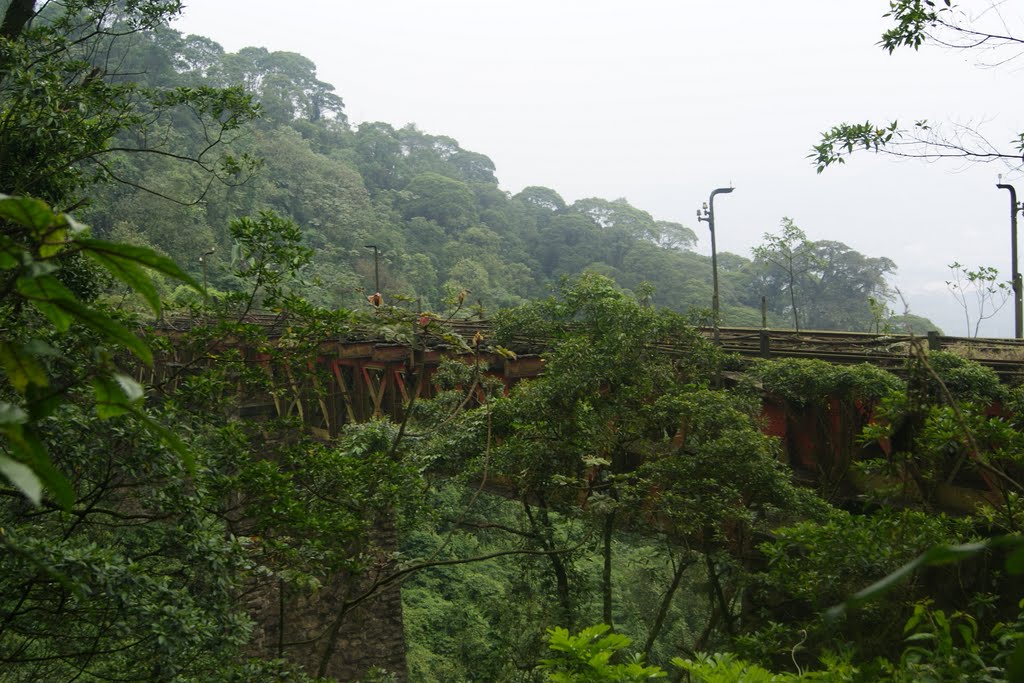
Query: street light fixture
(1018, 304)
(202, 261)
(708, 215)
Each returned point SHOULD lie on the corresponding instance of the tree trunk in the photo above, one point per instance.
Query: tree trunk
(18, 14)
(792, 302)
(666, 602)
(717, 592)
(544, 532)
(606, 573)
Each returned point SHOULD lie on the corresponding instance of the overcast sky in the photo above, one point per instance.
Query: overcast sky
(660, 101)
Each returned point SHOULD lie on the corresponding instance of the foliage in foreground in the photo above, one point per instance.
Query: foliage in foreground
(133, 558)
(587, 658)
(937, 647)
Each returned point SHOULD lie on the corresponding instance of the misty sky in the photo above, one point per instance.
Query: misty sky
(661, 101)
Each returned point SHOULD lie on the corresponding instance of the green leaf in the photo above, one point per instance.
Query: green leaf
(116, 395)
(53, 481)
(27, 445)
(947, 554)
(43, 292)
(141, 255)
(1015, 664)
(1015, 562)
(42, 402)
(53, 242)
(41, 285)
(37, 347)
(132, 389)
(11, 414)
(130, 274)
(26, 211)
(109, 328)
(169, 438)
(110, 400)
(23, 478)
(940, 554)
(21, 367)
(7, 261)
(58, 304)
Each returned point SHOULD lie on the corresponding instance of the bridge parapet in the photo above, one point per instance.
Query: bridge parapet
(362, 375)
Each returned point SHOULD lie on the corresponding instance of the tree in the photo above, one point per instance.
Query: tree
(34, 243)
(198, 54)
(379, 154)
(908, 323)
(118, 563)
(542, 198)
(442, 199)
(841, 284)
(64, 118)
(981, 27)
(979, 293)
(936, 429)
(285, 83)
(583, 422)
(134, 563)
(635, 438)
(790, 256)
(138, 579)
(64, 114)
(567, 244)
(473, 166)
(823, 284)
(619, 216)
(393, 157)
(681, 280)
(675, 236)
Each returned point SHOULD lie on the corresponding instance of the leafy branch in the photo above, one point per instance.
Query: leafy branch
(33, 242)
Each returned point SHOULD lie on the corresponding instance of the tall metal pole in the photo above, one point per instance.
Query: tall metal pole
(376, 267)
(1018, 302)
(202, 260)
(709, 216)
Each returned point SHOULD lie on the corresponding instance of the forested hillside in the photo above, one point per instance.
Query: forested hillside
(435, 211)
(643, 503)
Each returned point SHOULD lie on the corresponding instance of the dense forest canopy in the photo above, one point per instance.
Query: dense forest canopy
(629, 499)
(435, 211)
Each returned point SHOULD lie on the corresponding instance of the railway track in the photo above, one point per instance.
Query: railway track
(1006, 356)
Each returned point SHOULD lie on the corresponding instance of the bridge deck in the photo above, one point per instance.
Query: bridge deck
(1005, 356)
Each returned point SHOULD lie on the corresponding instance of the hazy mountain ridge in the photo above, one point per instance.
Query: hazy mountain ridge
(435, 211)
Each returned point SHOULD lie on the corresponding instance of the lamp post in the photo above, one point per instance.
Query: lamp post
(708, 215)
(202, 260)
(376, 267)
(1018, 306)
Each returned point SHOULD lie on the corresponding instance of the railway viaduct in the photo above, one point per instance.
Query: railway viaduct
(366, 378)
